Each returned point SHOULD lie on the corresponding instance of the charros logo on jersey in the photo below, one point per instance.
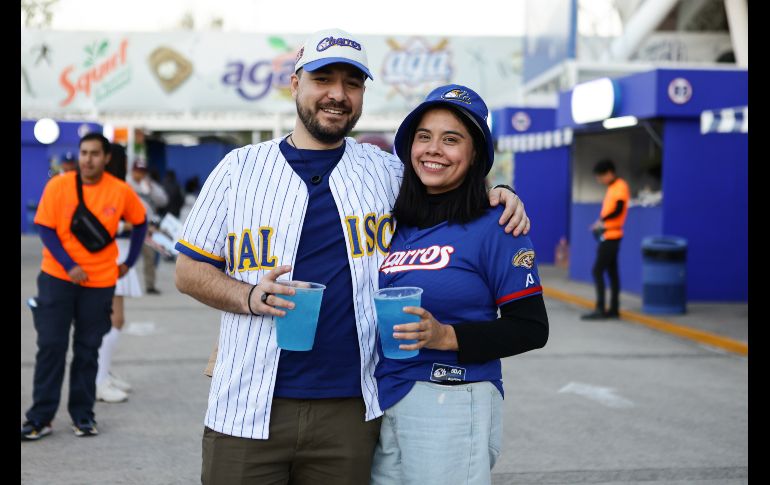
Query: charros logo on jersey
(524, 258)
(444, 372)
(430, 258)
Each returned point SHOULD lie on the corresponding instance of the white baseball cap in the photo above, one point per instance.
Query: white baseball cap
(330, 46)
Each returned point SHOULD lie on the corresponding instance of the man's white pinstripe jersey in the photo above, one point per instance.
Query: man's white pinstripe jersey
(247, 220)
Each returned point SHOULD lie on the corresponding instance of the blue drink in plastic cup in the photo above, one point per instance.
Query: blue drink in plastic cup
(389, 304)
(296, 331)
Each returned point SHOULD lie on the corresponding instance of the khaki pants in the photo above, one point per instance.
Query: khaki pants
(312, 442)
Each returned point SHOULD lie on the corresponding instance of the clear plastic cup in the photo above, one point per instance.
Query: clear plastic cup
(296, 330)
(389, 304)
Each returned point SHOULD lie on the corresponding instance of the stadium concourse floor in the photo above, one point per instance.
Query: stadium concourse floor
(632, 401)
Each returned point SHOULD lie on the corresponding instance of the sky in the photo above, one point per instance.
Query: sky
(395, 17)
(493, 17)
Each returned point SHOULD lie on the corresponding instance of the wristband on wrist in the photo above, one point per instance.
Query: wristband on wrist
(503, 186)
(249, 301)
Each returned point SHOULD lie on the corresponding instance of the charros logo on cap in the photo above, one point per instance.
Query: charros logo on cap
(332, 46)
(330, 41)
(457, 95)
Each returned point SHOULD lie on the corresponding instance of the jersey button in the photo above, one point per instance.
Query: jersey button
(408, 246)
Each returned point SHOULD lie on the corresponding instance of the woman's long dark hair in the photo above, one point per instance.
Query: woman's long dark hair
(413, 206)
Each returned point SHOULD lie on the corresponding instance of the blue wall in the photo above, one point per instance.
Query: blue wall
(34, 176)
(645, 95)
(640, 223)
(705, 200)
(197, 160)
(543, 182)
(705, 184)
(710, 89)
(36, 162)
(541, 119)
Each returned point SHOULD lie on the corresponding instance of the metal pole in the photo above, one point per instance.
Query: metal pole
(738, 20)
(644, 22)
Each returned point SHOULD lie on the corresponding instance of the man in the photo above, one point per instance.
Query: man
(174, 192)
(608, 230)
(68, 163)
(76, 284)
(154, 198)
(314, 206)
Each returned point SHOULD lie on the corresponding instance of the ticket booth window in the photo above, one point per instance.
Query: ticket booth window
(637, 154)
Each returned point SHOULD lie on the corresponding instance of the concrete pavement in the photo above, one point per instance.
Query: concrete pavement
(608, 402)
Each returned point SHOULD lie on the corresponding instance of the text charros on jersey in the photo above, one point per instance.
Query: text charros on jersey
(433, 257)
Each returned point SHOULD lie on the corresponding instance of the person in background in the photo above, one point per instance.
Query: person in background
(110, 387)
(75, 286)
(191, 190)
(608, 231)
(68, 163)
(174, 193)
(443, 407)
(154, 198)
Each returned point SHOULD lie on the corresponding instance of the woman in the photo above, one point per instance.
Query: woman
(442, 422)
(109, 387)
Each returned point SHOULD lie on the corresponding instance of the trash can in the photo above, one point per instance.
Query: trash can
(664, 275)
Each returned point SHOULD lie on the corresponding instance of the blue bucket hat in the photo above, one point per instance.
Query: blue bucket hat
(465, 100)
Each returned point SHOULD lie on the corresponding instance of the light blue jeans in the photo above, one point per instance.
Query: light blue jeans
(442, 435)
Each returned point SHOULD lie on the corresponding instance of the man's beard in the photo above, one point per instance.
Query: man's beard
(323, 134)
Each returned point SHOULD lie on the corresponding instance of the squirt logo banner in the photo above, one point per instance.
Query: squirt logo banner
(178, 72)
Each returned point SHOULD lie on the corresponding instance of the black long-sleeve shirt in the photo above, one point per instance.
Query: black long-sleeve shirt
(521, 327)
(616, 212)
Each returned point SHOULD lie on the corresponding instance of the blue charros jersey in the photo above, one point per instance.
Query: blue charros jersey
(466, 273)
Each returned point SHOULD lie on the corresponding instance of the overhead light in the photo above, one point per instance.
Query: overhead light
(46, 131)
(594, 100)
(109, 132)
(620, 122)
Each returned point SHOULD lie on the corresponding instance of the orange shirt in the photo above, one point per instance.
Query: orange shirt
(617, 190)
(109, 200)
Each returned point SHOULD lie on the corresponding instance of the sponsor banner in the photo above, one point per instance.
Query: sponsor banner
(180, 72)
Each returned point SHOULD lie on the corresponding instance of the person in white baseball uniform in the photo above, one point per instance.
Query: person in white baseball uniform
(312, 206)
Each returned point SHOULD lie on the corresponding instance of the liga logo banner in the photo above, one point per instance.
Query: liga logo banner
(178, 72)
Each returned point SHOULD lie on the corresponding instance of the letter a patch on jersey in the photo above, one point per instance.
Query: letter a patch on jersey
(530, 280)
